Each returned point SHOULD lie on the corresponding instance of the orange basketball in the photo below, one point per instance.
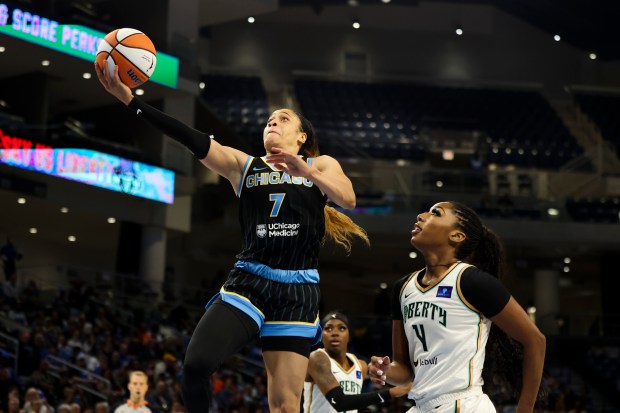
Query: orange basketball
(132, 51)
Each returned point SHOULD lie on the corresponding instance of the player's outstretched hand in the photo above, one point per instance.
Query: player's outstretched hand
(112, 83)
(288, 162)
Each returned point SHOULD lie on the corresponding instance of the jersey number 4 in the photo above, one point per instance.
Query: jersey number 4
(277, 203)
(419, 332)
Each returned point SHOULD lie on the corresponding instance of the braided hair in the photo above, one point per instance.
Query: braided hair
(483, 249)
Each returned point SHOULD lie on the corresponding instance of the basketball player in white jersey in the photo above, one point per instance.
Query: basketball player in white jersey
(335, 378)
(442, 317)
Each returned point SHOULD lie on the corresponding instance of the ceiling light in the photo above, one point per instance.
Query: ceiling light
(593, 56)
(139, 92)
(33, 230)
(72, 238)
(353, 3)
(567, 260)
(201, 85)
(356, 25)
(2, 49)
(251, 19)
(385, 1)
(459, 31)
(439, 184)
(567, 269)
(64, 210)
(413, 255)
(557, 38)
(553, 212)
(86, 75)
(21, 200)
(111, 220)
(383, 286)
(45, 63)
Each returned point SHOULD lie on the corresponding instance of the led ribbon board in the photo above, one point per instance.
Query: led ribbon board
(74, 40)
(90, 167)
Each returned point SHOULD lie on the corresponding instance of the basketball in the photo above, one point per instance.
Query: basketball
(132, 51)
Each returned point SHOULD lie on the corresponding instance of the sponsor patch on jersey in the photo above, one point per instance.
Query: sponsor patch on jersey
(445, 292)
(261, 230)
(358, 374)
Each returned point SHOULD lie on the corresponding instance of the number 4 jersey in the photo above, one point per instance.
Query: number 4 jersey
(447, 328)
(282, 217)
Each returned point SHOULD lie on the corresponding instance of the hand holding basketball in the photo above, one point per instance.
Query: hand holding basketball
(132, 51)
(113, 85)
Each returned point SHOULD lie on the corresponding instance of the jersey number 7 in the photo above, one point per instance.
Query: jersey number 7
(277, 199)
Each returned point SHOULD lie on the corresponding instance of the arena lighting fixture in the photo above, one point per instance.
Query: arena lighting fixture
(567, 269)
(554, 212)
(139, 92)
(111, 220)
(33, 230)
(593, 56)
(531, 310)
(251, 19)
(383, 286)
(567, 260)
(557, 38)
(201, 85)
(86, 75)
(71, 238)
(413, 255)
(21, 201)
(64, 210)
(459, 31)
(2, 49)
(45, 63)
(439, 184)
(353, 3)
(356, 25)
(385, 1)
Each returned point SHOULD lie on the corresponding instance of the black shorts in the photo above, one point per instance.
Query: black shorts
(279, 309)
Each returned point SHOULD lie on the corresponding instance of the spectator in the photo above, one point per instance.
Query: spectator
(9, 256)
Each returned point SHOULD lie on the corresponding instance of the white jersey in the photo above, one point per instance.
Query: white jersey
(350, 380)
(446, 336)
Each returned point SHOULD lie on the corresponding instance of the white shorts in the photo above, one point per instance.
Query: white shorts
(475, 404)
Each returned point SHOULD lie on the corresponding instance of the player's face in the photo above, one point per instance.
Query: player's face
(434, 227)
(335, 336)
(283, 130)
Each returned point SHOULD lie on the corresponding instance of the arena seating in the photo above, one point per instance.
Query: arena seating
(387, 120)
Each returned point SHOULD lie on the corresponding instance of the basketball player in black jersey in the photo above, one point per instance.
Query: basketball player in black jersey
(444, 314)
(273, 289)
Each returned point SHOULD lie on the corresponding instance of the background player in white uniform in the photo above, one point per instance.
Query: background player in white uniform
(442, 319)
(335, 378)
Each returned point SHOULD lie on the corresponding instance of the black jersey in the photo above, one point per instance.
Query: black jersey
(282, 217)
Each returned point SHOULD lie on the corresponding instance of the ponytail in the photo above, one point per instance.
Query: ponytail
(341, 229)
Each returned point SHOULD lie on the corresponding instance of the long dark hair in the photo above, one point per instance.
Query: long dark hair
(310, 147)
(503, 366)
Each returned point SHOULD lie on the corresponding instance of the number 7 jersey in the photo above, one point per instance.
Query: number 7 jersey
(282, 217)
(446, 336)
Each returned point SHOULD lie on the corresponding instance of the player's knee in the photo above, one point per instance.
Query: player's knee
(199, 364)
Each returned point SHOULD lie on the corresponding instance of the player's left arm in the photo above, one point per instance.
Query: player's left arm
(328, 175)
(514, 321)
(324, 171)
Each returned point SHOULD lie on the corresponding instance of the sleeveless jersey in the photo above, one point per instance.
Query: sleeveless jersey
(282, 217)
(446, 336)
(351, 382)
